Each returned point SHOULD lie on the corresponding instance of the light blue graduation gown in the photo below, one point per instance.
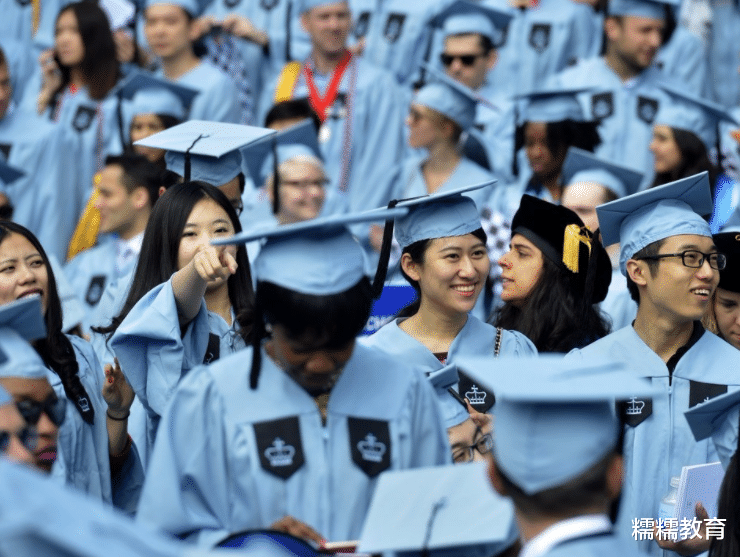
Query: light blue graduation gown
(44, 518)
(229, 458)
(496, 123)
(91, 272)
(540, 42)
(625, 111)
(609, 545)
(618, 305)
(48, 199)
(218, 98)
(476, 338)
(83, 459)
(21, 64)
(660, 442)
(684, 58)
(375, 131)
(155, 355)
(724, 45)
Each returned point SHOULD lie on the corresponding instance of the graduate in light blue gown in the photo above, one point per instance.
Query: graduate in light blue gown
(299, 425)
(542, 40)
(724, 45)
(218, 98)
(626, 94)
(591, 181)
(557, 453)
(360, 105)
(684, 58)
(95, 453)
(445, 260)
(670, 259)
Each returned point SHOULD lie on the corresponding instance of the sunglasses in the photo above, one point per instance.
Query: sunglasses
(53, 407)
(465, 59)
(26, 435)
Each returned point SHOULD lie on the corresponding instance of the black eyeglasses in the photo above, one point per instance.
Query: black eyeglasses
(53, 407)
(694, 259)
(26, 435)
(465, 59)
(238, 206)
(483, 445)
(305, 183)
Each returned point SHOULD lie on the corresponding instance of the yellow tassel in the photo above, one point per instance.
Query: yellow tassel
(574, 235)
(86, 231)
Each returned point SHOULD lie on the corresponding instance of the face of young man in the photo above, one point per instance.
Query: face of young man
(328, 26)
(459, 52)
(635, 40)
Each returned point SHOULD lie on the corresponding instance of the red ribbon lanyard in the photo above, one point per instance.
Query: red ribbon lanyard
(321, 104)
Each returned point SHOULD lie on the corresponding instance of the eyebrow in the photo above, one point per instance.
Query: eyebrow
(695, 247)
(217, 221)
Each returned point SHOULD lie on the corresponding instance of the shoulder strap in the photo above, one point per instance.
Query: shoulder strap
(86, 231)
(286, 82)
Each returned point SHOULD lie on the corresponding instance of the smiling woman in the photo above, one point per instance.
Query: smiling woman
(723, 317)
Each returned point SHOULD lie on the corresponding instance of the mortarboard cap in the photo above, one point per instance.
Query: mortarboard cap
(153, 95)
(449, 507)
(555, 417)
(563, 238)
(448, 97)
(552, 105)
(25, 317)
(463, 17)
(20, 322)
(120, 13)
(582, 166)
(193, 7)
(9, 174)
(305, 5)
(318, 257)
(210, 148)
(653, 9)
(694, 114)
(439, 215)
(728, 242)
(453, 412)
(298, 140)
(707, 417)
(640, 219)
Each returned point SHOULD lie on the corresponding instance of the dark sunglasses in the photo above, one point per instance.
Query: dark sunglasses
(53, 406)
(26, 435)
(465, 59)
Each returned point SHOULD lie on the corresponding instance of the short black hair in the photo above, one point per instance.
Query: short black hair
(138, 171)
(291, 109)
(648, 251)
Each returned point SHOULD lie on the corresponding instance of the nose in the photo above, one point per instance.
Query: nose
(27, 275)
(706, 272)
(503, 262)
(320, 363)
(656, 38)
(46, 429)
(467, 268)
(477, 457)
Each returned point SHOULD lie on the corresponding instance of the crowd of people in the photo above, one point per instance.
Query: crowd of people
(259, 257)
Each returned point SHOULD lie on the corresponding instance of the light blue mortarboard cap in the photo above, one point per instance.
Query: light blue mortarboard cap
(9, 174)
(318, 257)
(453, 412)
(653, 9)
(439, 215)
(705, 418)
(640, 219)
(449, 510)
(555, 417)
(448, 97)
(152, 95)
(193, 7)
(552, 105)
(692, 113)
(298, 140)
(582, 166)
(305, 5)
(463, 17)
(20, 322)
(211, 147)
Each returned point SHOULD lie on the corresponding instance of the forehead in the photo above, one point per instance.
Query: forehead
(146, 120)
(22, 388)
(296, 168)
(462, 434)
(637, 23)
(206, 211)
(468, 44)
(687, 241)
(517, 240)
(583, 194)
(16, 245)
(111, 176)
(165, 10)
(465, 241)
(337, 8)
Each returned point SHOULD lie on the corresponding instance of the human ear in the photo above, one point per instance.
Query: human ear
(409, 267)
(636, 271)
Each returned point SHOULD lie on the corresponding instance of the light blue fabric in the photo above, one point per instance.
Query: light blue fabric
(49, 198)
(496, 124)
(218, 99)
(540, 42)
(684, 58)
(21, 62)
(618, 305)
(44, 518)
(724, 44)
(625, 111)
(205, 476)
(476, 338)
(603, 546)
(658, 447)
(83, 456)
(376, 131)
(155, 356)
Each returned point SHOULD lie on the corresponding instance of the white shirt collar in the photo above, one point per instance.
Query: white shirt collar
(134, 244)
(565, 530)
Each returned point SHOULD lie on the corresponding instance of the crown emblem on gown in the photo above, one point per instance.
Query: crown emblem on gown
(371, 449)
(475, 396)
(634, 407)
(280, 454)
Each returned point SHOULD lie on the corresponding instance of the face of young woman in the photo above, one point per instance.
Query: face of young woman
(542, 160)
(168, 30)
(22, 271)
(727, 313)
(425, 127)
(142, 126)
(67, 40)
(207, 221)
(665, 150)
(521, 268)
(453, 273)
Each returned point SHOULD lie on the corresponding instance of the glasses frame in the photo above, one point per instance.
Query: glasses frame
(483, 445)
(467, 60)
(54, 407)
(721, 258)
(27, 435)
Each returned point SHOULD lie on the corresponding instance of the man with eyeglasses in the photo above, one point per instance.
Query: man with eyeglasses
(18, 439)
(672, 268)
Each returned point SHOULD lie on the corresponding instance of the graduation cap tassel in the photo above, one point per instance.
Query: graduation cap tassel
(258, 333)
(186, 173)
(588, 290)
(275, 180)
(385, 255)
(119, 120)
